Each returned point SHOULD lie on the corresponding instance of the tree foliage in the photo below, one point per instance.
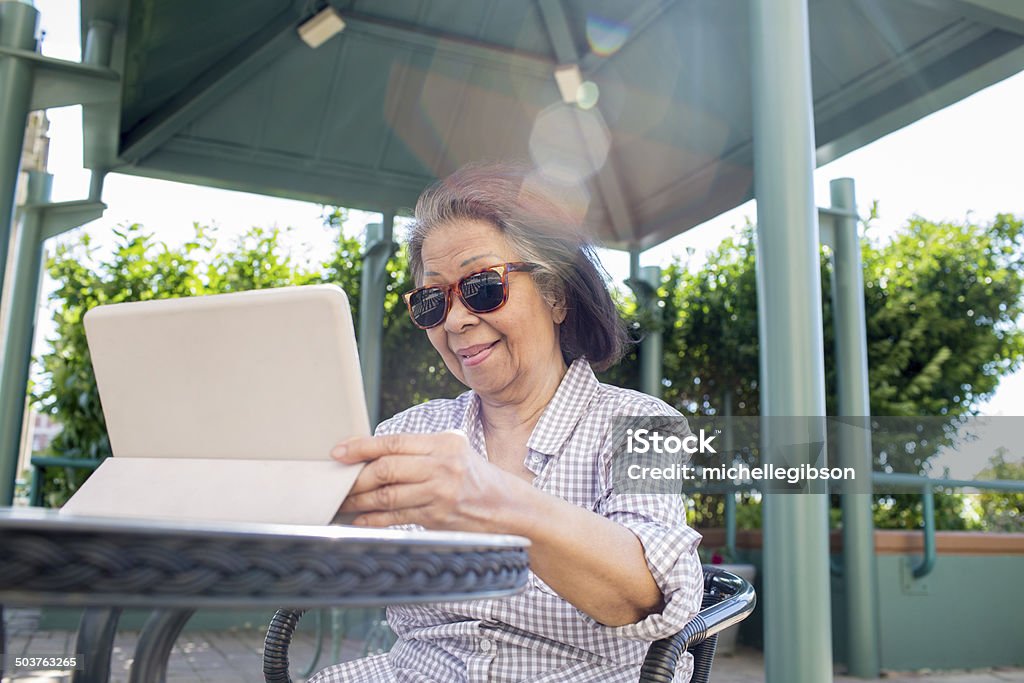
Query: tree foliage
(941, 300)
(712, 341)
(139, 269)
(1002, 511)
(942, 303)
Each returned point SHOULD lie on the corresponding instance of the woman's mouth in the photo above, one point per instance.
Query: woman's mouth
(474, 355)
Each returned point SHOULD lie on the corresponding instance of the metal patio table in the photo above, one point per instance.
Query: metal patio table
(107, 564)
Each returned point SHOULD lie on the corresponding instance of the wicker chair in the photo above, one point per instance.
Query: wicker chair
(728, 600)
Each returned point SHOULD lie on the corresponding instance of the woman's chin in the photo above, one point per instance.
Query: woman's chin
(484, 380)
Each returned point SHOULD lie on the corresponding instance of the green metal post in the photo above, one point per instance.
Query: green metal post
(35, 487)
(99, 49)
(859, 572)
(20, 327)
(64, 461)
(928, 518)
(730, 495)
(379, 248)
(17, 30)
(651, 351)
(99, 43)
(645, 282)
(634, 264)
(795, 589)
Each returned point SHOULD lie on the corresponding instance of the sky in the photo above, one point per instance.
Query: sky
(961, 162)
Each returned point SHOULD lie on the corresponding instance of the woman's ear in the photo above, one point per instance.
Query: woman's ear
(559, 312)
(556, 301)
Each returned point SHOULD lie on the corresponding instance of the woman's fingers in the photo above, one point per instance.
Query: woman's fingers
(417, 479)
(390, 518)
(385, 498)
(362, 449)
(394, 469)
(365, 448)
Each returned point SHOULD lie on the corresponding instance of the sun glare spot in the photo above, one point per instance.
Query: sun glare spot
(605, 36)
(587, 94)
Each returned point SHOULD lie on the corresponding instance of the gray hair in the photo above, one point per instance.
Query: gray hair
(526, 211)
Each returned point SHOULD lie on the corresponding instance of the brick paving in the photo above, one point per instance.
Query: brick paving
(236, 657)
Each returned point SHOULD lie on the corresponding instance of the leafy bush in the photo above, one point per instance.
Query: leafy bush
(998, 511)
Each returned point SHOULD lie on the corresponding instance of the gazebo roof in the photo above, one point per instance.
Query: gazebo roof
(227, 95)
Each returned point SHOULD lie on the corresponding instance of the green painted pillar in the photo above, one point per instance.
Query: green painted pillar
(730, 495)
(859, 572)
(17, 30)
(651, 350)
(645, 282)
(99, 48)
(20, 328)
(795, 588)
(379, 248)
(99, 43)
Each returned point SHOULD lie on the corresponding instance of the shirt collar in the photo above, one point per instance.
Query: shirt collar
(559, 418)
(566, 408)
(472, 425)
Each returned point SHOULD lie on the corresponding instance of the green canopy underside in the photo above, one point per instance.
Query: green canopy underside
(227, 95)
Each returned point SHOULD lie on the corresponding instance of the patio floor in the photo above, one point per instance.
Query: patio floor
(235, 657)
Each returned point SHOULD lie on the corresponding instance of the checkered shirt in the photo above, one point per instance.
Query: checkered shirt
(536, 635)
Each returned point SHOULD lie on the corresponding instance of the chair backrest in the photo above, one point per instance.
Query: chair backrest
(728, 599)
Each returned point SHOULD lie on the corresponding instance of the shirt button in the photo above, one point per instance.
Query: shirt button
(486, 645)
(535, 458)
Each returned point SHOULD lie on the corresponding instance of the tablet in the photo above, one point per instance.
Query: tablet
(226, 407)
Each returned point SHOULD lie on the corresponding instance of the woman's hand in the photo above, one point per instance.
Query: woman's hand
(434, 480)
(439, 481)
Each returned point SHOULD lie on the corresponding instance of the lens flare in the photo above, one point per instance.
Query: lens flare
(587, 94)
(605, 36)
(568, 145)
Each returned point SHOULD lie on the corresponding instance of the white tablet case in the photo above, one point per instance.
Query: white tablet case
(225, 407)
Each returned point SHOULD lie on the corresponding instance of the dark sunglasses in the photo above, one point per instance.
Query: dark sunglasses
(481, 292)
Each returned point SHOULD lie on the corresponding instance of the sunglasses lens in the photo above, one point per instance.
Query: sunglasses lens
(483, 292)
(427, 306)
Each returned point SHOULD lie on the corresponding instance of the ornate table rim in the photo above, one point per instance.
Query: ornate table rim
(125, 563)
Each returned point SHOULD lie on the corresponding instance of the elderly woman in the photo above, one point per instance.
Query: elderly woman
(511, 298)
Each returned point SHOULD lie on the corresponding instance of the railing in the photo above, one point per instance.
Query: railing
(35, 492)
(926, 485)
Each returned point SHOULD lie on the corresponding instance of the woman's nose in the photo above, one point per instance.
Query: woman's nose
(459, 317)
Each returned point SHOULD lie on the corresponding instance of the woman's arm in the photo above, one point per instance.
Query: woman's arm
(594, 563)
(437, 481)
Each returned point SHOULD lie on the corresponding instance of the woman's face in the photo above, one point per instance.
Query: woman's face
(503, 355)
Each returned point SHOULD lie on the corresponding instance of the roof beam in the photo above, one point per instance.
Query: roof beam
(1006, 15)
(241, 64)
(607, 179)
(557, 25)
(59, 217)
(447, 43)
(990, 59)
(274, 173)
(60, 83)
(610, 186)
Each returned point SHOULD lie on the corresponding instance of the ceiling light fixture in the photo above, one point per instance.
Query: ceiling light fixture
(321, 27)
(569, 80)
